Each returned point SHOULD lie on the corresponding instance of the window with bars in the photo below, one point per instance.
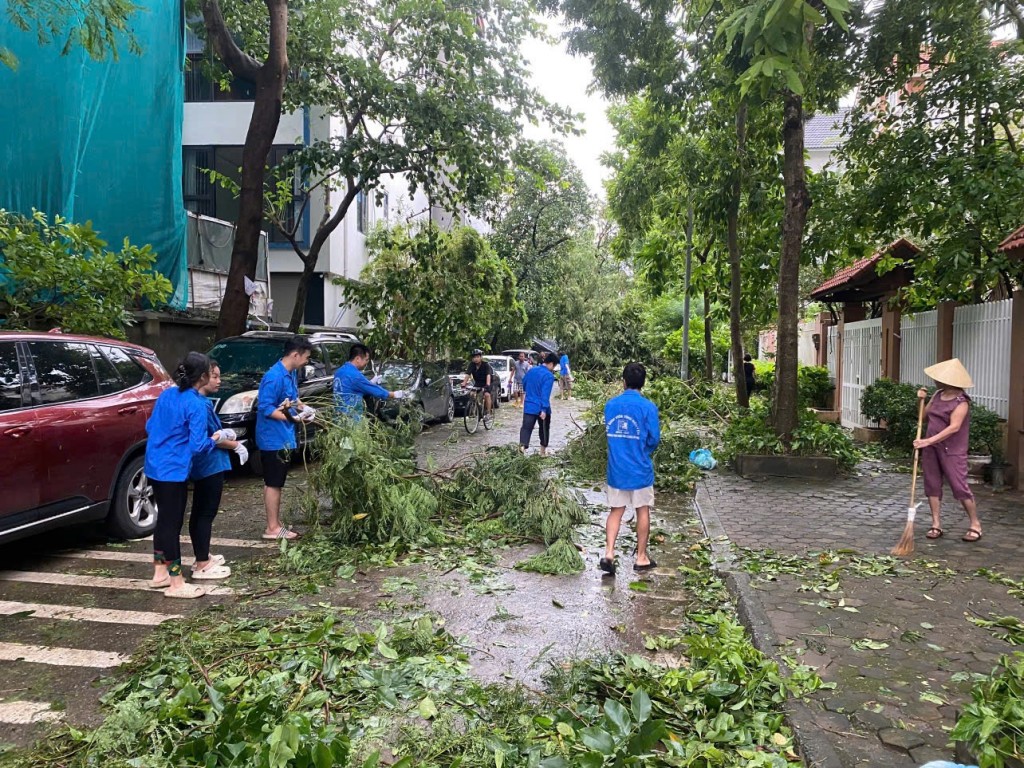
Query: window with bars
(363, 219)
(203, 197)
(200, 87)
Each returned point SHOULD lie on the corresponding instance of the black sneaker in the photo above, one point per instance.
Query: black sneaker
(606, 565)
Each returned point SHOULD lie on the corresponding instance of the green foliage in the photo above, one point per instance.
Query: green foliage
(992, 724)
(61, 275)
(559, 559)
(672, 468)
(751, 433)
(813, 383)
(99, 27)
(896, 404)
(708, 402)
(428, 293)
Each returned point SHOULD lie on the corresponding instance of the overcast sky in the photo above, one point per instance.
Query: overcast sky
(565, 79)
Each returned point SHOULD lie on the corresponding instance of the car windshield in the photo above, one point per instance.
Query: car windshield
(458, 367)
(498, 364)
(254, 358)
(397, 374)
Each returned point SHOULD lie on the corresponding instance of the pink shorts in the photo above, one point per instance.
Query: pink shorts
(937, 465)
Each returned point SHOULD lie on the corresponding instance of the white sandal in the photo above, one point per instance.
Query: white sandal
(162, 584)
(185, 591)
(211, 572)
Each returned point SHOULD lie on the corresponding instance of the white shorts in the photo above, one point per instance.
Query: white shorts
(643, 497)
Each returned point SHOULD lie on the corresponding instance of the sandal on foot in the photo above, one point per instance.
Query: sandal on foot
(645, 566)
(283, 533)
(606, 565)
(186, 591)
(973, 534)
(212, 572)
(162, 584)
(934, 533)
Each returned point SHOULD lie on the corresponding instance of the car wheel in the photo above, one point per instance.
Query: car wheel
(133, 511)
(449, 413)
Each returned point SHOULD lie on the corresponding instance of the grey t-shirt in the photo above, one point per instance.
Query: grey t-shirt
(522, 366)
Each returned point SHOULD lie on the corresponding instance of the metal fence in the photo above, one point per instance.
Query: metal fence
(862, 365)
(918, 342)
(981, 339)
(833, 332)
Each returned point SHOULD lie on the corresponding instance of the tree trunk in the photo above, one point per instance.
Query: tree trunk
(301, 292)
(266, 115)
(709, 351)
(732, 236)
(797, 203)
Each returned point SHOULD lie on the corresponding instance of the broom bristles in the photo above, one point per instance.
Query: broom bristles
(906, 543)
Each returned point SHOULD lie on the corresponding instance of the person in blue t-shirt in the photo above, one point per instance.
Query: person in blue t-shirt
(207, 475)
(631, 423)
(177, 432)
(565, 377)
(350, 385)
(277, 411)
(537, 385)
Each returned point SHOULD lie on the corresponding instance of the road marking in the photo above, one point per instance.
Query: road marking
(60, 657)
(27, 712)
(102, 582)
(74, 613)
(239, 543)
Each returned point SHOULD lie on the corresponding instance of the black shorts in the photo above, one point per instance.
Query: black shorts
(275, 467)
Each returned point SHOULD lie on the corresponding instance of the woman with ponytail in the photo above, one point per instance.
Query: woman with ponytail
(177, 430)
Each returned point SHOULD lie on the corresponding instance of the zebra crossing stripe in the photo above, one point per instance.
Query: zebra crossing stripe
(76, 613)
(28, 712)
(60, 657)
(100, 582)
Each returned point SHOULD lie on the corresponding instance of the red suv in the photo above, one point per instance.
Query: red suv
(73, 413)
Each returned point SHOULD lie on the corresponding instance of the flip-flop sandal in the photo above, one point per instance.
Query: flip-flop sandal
(284, 533)
(606, 565)
(934, 533)
(211, 572)
(186, 592)
(646, 567)
(971, 538)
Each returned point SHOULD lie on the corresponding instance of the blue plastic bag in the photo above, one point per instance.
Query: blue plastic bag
(702, 458)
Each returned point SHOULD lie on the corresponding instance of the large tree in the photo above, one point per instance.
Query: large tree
(100, 27)
(435, 92)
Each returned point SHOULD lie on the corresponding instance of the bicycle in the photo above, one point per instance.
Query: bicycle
(475, 411)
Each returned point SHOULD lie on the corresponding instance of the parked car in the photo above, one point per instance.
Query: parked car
(427, 384)
(73, 413)
(244, 359)
(457, 372)
(502, 367)
(533, 357)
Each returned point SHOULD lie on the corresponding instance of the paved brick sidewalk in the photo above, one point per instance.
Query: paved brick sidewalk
(875, 716)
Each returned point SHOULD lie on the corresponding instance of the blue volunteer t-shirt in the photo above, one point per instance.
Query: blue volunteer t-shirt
(177, 432)
(563, 364)
(278, 384)
(631, 421)
(217, 460)
(537, 384)
(349, 387)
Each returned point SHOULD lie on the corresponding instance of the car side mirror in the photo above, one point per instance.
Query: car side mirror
(428, 382)
(307, 372)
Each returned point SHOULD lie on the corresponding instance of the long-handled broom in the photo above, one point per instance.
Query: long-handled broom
(906, 542)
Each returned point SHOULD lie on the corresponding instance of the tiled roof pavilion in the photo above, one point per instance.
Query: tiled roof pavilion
(860, 281)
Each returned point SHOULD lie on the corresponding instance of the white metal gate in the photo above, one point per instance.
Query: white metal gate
(981, 339)
(862, 365)
(918, 342)
(831, 351)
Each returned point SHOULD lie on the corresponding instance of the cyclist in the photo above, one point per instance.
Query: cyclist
(481, 375)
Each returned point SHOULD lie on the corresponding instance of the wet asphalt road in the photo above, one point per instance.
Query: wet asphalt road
(74, 605)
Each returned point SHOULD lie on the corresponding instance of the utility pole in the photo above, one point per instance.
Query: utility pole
(684, 363)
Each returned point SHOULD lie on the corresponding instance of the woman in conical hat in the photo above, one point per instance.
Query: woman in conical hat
(944, 446)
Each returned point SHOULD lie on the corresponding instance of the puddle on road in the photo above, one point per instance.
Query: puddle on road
(516, 625)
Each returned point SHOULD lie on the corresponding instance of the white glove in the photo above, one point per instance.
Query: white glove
(307, 414)
(242, 452)
(228, 434)
(377, 379)
(400, 394)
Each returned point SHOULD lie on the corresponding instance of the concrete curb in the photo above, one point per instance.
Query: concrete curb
(815, 748)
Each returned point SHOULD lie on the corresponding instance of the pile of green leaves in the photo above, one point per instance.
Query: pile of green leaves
(61, 275)
(992, 725)
(706, 401)
(294, 692)
(752, 433)
(896, 404)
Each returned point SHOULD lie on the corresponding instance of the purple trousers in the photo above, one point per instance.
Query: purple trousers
(937, 465)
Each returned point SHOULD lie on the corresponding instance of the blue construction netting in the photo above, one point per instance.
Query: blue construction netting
(100, 141)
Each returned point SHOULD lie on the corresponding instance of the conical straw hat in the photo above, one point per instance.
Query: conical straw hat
(951, 373)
